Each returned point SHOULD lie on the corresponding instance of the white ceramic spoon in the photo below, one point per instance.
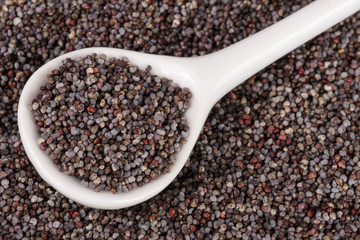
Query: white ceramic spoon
(209, 78)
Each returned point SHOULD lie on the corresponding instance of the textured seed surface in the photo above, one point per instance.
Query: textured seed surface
(260, 179)
(106, 110)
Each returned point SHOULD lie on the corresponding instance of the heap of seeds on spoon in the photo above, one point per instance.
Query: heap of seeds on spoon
(114, 126)
(278, 156)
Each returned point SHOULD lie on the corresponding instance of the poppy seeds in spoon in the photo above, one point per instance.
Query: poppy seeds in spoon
(109, 123)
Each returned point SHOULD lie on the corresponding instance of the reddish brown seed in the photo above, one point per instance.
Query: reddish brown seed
(282, 137)
(342, 164)
(172, 212)
(311, 213)
(43, 146)
(206, 215)
(90, 109)
(271, 129)
(312, 175)
(10, 74)
(155, 163)
(246, 117)
(232, 95)
(75, 214)
(79, 224)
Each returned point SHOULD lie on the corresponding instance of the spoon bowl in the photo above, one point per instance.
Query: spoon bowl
(208, 77)
(69, 185)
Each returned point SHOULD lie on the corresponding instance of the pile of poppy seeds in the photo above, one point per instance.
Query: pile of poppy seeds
(278, 157)
(109, 123)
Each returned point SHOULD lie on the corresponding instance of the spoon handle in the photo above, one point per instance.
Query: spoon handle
(223, 70)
